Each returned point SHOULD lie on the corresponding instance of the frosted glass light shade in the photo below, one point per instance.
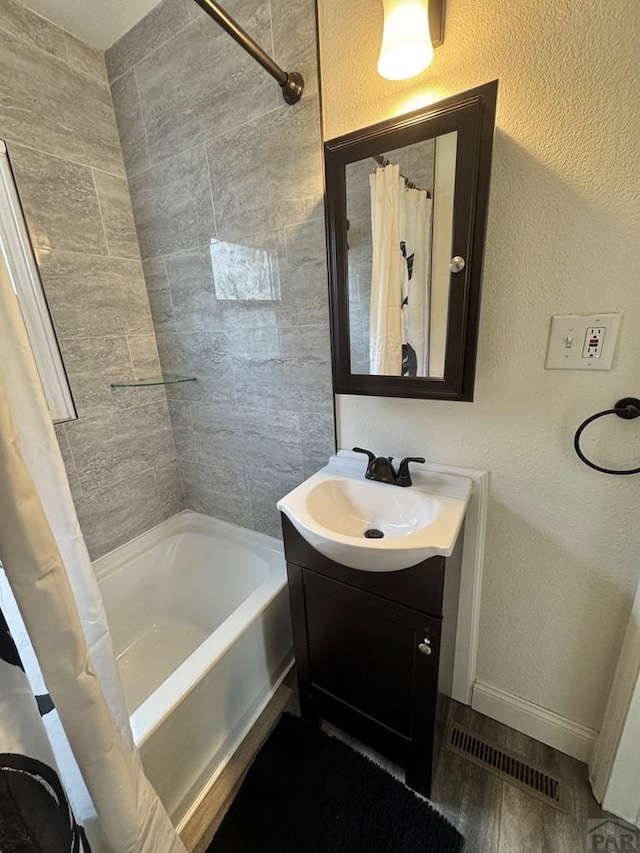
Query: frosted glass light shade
(406, 42)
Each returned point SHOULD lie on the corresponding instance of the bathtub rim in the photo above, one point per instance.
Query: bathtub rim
(109, 563)
(152, 713)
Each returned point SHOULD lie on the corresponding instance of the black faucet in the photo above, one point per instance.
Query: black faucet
(380, 468)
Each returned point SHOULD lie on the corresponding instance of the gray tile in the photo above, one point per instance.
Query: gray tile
(59, 201)
(92, 364)
(146, 365)
(162, 22)
(359, 336)
(170, 491)
(261, 370)
(92, 296)
(217, 491)
(190, 276)
(286, 368)
(250, 268)
(113, 516)
(155, 274)
(128, 111)
(265, 493)
(307, 274)
(69, 464)
(204, 355)
(273, 445)
(162, 311)
(143, 350)
(281, 194)
(172, 205)
(68, 114)
(252, 440)
(220, 434)
(117, 215)
(201, 83)
(108, 449)
(193, 10)
(85, 58)
(18, 21)
(317, 440)
(294, 39)
(180, 414)
(198, 303)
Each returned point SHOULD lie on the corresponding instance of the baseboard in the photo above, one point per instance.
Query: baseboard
(533, 720)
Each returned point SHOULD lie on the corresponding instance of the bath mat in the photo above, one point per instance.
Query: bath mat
(307, 792)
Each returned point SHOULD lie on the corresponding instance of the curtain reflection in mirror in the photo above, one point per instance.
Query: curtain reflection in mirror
(400, 276)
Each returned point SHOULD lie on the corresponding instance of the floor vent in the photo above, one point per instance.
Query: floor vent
(507, 766)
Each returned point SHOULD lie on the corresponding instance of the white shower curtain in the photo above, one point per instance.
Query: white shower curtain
(400, 277)
(53, 607)
(415, 242)
(385, 350)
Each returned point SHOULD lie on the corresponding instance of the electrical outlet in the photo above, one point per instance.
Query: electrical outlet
(582, 341)
(594, 342)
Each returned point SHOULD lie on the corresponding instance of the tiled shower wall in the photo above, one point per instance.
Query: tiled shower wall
(214, 156)
(57, 119)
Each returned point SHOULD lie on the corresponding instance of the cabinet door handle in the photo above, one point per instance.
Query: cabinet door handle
(425, 647)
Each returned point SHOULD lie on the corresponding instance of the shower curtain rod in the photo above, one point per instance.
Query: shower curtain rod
(384, 162)
(291, 82)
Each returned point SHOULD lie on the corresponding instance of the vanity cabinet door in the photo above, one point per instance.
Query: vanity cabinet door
(364, 665)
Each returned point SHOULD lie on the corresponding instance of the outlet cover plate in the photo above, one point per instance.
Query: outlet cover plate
(567, 335)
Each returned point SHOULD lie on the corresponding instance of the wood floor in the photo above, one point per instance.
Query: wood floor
(492, 815)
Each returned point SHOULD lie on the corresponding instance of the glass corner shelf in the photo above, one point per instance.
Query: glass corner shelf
(153, 380)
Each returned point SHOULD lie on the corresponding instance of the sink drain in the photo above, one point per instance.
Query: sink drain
(373, 533)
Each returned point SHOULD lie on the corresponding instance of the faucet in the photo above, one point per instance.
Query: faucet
(380, 468)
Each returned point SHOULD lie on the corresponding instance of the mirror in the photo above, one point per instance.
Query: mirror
(406, 217)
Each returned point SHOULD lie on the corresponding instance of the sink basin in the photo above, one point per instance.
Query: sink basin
(377, 527)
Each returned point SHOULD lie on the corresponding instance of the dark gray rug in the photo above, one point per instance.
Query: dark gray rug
(307, 792)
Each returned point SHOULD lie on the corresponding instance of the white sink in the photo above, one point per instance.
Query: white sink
(334, 509)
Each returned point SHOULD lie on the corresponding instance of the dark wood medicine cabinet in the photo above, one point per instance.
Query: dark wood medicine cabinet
(449, 146)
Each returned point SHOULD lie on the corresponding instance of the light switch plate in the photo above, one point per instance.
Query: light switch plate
(570, 336)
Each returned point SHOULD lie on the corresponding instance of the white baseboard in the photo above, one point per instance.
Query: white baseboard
(533, 720)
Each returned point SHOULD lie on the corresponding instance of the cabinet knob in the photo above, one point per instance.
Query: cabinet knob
(425, 647)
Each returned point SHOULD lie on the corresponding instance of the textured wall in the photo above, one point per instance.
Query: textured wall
(563, 543)
(212, 153)
(57, 118)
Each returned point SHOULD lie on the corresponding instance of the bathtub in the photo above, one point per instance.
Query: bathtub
(199, 614)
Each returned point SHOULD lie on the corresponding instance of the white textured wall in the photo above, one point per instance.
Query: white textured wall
(563, 546)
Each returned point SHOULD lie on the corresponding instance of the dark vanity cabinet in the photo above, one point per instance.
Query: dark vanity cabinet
(367, 648)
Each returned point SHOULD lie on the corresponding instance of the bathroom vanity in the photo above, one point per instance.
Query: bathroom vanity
(370, 644)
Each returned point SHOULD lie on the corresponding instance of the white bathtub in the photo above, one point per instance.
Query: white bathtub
(199, 614)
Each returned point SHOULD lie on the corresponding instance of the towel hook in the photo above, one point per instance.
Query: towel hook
(628, 408)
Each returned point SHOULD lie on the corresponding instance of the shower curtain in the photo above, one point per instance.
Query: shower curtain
(400, 278)
(50, 599)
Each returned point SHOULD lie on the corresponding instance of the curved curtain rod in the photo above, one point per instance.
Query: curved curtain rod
(291, 82)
